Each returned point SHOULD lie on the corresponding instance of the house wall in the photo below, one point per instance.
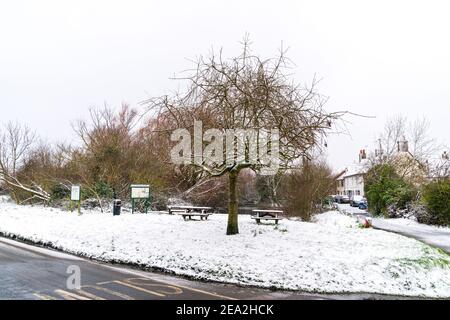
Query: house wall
(354, 185)
(340, 189)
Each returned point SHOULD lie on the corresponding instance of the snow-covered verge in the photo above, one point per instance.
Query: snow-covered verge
(414, 225)
(435, 235)
(331, 255)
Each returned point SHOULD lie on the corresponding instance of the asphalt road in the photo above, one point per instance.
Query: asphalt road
(29, 272)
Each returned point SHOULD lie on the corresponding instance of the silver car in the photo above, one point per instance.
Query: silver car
(356, 200)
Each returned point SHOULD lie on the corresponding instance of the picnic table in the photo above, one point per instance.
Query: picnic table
(187, 212)
(269, 215)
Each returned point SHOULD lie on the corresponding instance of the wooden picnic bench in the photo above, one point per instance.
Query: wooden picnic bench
(268, 215)
(187, 212)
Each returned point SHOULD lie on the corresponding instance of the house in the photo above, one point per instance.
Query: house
(350, 180)
(407, 166)
(340, 189)
(354, 181)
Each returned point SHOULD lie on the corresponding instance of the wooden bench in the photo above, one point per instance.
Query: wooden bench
(187, 212)
(173, 209)
(188, 215)
(268, 215)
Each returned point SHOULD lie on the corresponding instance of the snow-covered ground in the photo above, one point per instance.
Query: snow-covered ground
(329, 255)
(434, 235)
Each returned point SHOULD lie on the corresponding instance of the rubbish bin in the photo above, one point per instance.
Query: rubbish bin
(117, 206)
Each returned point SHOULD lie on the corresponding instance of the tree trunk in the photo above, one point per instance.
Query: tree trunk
(232, 227)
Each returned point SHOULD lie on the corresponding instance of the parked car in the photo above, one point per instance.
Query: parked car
(345, 199)
(355, 200)
(341, 198)
(363, 205)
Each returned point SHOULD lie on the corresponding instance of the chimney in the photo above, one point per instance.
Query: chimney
(362, 155)
(402, 145)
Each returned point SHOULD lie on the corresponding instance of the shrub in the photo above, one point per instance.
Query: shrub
(59, 192)
(384, 188)
(100, 190)
(305, 190)
(436, 198)
(421, 213)
(104, 190)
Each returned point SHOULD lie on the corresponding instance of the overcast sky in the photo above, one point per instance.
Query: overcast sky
(379, 58)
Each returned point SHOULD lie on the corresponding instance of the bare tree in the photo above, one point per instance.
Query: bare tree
(394, 130)
(247, 93)
(440, 167)
(420, 147)
(16, 144)
(107, 152)
(268, 188)
(416, 133)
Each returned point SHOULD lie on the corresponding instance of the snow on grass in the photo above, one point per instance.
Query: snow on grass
(411, 224)
(333, 219)
(331, 255)
(435, 235)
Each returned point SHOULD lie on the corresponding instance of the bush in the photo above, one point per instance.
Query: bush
(385, 189)
(102, 189)
(59, 192)
(421, 213)
(436, 198)
(305, 190)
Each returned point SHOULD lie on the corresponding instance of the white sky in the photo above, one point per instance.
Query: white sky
(58, 58)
